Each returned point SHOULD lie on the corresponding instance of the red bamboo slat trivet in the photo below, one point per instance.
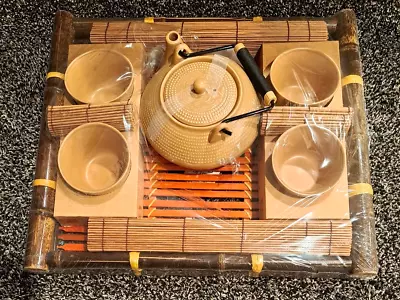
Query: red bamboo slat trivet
(171, 191)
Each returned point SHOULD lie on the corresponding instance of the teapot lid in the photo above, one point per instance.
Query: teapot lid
(200, 91)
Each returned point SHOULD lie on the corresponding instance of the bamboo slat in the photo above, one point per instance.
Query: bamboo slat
(205, 213)
(72, 237)
(73, 229)
(175, 192)
(198, 185)
(196, 204)
(282, 118)
(62, 119)
(202, 35)
(187, 194)
(322, 237)
(73, 247)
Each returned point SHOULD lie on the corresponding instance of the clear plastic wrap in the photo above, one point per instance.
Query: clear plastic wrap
(175, 158)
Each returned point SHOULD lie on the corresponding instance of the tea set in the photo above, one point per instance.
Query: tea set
(201, 110)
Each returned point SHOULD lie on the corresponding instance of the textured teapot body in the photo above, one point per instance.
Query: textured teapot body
(185, 102)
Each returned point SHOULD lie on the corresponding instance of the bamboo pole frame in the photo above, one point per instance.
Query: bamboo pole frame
(42, 256)
(41, 222)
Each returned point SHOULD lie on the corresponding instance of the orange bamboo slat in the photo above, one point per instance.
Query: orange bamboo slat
(73, 247)
(72, 237)
(195, 204)
(202, 35)
(188, 194)
(200, 185)
(73, 229)
(210, 214)
(171, 191)
(321, 237)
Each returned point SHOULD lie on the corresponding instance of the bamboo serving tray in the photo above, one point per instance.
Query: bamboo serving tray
(42, 253)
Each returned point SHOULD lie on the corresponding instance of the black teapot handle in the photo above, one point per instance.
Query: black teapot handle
(253, 72)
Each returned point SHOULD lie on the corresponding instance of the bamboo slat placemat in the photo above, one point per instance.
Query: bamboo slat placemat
(62, 119)
(322, 237)
(282, 118)
(202, 35)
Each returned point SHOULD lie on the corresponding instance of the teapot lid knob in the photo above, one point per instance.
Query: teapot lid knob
(199, 86)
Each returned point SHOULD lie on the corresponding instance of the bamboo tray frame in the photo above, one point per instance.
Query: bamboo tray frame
(42, 254)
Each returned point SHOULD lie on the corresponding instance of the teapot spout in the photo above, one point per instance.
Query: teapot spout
(174, 44)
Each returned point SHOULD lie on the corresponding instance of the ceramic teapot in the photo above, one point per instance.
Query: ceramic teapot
(185, 102)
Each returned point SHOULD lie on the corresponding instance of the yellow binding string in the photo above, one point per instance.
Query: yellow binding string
(352, 79)
(257, 19)
(134, 262)
(360, 188)
(257, 263)
(45, 182)
(149, 20)
(55, 74)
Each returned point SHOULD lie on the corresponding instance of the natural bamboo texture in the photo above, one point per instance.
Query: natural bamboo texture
(364, 250)
(203, 35)
(321, 237)
(41, 222)
(282, 118)
(62, 119)
(174, 192)
(199, 264)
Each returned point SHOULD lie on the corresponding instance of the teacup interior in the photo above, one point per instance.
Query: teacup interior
(93, 159)
(308, 159)
(98, 76)
(305, 76)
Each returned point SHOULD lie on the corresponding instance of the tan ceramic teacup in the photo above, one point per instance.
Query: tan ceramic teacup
(100, 76)
(305, 77)
(308, 160)
(94, 159)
